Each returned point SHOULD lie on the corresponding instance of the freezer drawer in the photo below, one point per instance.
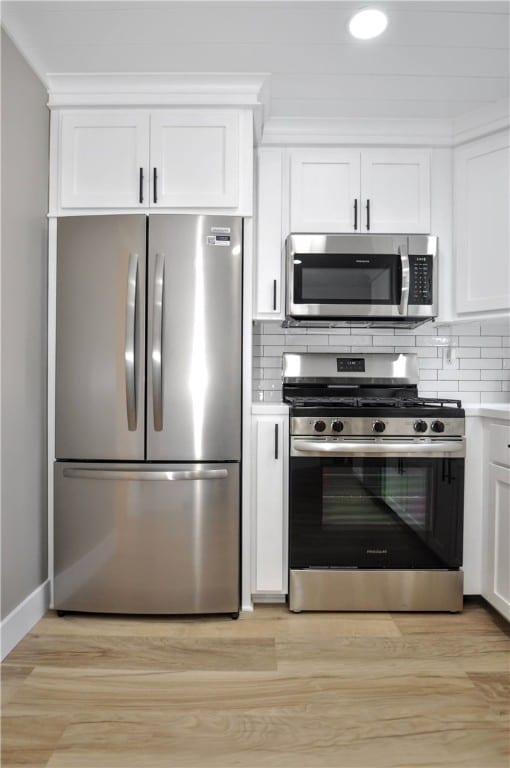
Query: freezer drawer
(153, 538)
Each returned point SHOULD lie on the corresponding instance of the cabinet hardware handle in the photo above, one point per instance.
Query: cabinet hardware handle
(140, 196)
(274, 294)
(368, 215)
(276, 441)
(155, 176)
(355, 213)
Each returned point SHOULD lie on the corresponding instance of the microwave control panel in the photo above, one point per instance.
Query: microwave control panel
(420, 288)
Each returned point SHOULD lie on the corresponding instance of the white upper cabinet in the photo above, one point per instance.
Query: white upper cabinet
(194, 158)
(325, 190)
(395, 184)
(136, 158)
(482, 242)
(348, 190)
(104, 159)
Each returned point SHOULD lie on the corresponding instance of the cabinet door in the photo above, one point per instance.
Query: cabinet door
(194, 159)
(395, 190)
(104, 159)
(324, 190)
(271, 546)
(269, 239)
(482, 241)
(496, 562)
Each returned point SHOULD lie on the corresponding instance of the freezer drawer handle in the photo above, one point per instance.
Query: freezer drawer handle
(126, 474)
(157, 343)
(129, 349)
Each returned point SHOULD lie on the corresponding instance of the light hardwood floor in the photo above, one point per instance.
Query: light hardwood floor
(271, 689)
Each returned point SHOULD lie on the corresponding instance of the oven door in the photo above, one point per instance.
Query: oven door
(376, 503)
(347, 276)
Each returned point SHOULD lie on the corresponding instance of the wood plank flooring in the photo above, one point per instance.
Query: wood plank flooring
(325, 690)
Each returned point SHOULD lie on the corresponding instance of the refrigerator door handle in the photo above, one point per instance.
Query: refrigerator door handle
(129, 349)
(128, 474)
(157, 343)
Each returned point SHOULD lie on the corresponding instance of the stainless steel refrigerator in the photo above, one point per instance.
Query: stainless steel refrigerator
(148, 414)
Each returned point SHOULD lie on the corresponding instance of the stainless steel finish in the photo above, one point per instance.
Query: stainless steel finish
(147, 547)
(93, 263)
(380, 368)
(157, 343)
(375, 590)
(146, 475)
(404, 297)
(389, 316)
(300, 446)
(202, 324)
(360, 426)
(129, 351)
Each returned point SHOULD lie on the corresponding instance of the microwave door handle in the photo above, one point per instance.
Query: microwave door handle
(404, 264)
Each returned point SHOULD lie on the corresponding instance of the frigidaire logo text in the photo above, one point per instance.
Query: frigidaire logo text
(362, 261)
(377, 551)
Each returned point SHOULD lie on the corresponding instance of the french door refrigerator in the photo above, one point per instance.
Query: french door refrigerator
(148, 414)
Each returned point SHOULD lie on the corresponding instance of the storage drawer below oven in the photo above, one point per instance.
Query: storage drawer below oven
(375, 590)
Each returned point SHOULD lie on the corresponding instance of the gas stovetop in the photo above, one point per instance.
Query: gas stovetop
(376, 394)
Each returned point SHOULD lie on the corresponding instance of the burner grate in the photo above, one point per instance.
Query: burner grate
(371, 402)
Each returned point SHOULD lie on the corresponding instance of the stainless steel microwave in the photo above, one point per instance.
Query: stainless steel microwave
(388, 280)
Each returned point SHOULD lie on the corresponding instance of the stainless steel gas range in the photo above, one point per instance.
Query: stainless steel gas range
(376, 486)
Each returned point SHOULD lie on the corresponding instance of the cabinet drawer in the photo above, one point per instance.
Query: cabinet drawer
(499, 444)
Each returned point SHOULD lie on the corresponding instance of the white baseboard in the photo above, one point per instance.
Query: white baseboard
(21, 620)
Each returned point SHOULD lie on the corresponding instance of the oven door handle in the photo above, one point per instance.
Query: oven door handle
(387, 449)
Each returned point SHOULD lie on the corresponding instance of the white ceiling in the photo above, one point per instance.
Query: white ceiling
(435, 60)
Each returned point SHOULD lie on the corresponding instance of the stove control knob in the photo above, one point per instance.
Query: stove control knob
(337, 426)
(319, 426)
(437, 426)
(379, 426)
(420, 425)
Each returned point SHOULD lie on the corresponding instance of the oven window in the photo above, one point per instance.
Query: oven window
(346, 279)
(376, 512)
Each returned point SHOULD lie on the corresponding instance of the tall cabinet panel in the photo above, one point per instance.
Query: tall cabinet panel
(194, 355)
(100, 338)
(482, 226)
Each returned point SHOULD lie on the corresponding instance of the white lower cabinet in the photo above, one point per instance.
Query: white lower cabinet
(270, 517)
(496, 539)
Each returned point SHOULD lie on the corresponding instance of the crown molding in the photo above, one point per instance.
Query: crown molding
(482, 122)
(357, 132)
(157, 89)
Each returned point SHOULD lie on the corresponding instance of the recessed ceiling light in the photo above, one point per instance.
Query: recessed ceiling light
(368, 23)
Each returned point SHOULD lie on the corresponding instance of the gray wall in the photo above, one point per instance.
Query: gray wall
(25, 141)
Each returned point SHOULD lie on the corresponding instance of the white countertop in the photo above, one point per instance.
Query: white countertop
(269, 409)
(489, 410)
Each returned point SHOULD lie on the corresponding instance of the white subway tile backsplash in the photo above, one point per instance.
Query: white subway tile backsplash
(496, 352)
(500, 374)
(456, 375)
(496, 397)
(482, 386)
(482, 363)
(479, 370)
(479, 341)
(402, 341)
